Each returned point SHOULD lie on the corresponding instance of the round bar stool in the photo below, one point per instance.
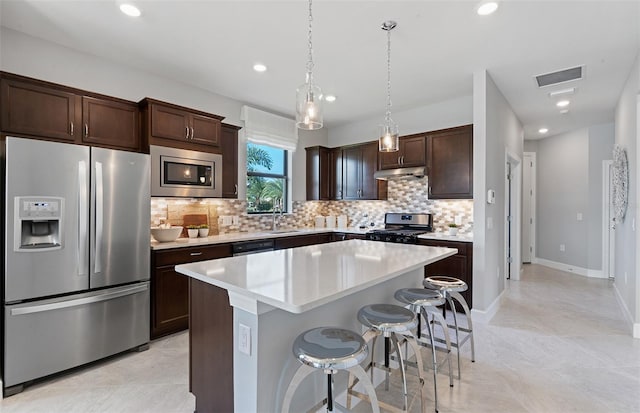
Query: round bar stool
(389, 320)
(420, 300)
(330, 349)
(450, 288)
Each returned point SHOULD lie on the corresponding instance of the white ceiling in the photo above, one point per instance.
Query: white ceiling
(435, 50)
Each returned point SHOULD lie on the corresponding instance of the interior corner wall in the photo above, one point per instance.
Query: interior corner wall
(627, 257)
(446, 114)
(496, 131)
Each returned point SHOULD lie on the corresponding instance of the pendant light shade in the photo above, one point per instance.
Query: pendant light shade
(388, 137)
(309, 111)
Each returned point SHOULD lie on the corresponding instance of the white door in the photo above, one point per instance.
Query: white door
(528, 207)
(608, 222)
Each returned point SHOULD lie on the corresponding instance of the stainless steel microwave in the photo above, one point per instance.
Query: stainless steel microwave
(184, 173)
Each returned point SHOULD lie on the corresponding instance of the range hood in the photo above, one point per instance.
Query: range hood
(400, 173)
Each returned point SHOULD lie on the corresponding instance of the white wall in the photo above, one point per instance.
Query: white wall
(37, 58)
(447, 114)
(569, 181)
(496, 130)
(627, 261)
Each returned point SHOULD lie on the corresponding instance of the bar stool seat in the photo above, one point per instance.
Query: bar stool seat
(330, 349)
(450, 288)
(389, 321)
(419, 300)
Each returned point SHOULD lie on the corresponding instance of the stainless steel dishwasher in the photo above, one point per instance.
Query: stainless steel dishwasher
(251, 247)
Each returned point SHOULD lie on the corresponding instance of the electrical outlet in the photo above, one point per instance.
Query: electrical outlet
(236, 220)
(458, 220)
(244, 339)
(562, 247)
(579, 216)
(489, 223)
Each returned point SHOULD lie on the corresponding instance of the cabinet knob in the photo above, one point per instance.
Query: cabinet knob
(195, 254)
(192, 132)
(71, 128)
(86, 130)
(236, 189)
(187, 133)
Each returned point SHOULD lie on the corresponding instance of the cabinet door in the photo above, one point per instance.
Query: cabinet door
(318, 173)
(229, 146)
(369, 185)
(169, 123)
(351, 172)
(170, 301)
(110, 123)
(413, 151)
(335, 176)
(450, 155)
(205, 130)
(389, 160)
(40, 111)
(301, 241)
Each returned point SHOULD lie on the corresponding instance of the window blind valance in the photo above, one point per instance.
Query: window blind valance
(265, 128)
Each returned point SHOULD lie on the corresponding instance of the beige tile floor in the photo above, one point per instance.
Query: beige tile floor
(557, 344)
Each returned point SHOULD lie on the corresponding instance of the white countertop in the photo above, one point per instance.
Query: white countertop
(248, 236)
(300, 279)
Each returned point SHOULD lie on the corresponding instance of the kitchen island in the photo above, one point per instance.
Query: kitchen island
(246, 311)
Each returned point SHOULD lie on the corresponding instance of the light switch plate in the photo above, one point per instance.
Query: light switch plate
(244, 339)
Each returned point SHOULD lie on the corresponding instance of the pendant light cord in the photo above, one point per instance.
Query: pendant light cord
(387, 116)
(310, 44)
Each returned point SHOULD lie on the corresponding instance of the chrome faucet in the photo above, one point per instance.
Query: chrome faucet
(277, 205)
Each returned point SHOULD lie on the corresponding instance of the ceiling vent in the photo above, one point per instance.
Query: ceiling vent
(561, 76)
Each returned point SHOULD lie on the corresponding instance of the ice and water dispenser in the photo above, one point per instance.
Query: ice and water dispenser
(38, 223)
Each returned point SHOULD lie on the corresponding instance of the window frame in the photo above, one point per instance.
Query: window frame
(284, 176)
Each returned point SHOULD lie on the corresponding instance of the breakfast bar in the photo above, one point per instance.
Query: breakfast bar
(247, 310)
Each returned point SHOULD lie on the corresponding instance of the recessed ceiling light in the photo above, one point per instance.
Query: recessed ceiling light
(558, 93)
(543, 130)
(130, 10)
(564, 111)
(330, 98)
(487, 7)
(259, 67)
(562, 103)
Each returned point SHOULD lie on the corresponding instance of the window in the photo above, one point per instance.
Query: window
(266, 179)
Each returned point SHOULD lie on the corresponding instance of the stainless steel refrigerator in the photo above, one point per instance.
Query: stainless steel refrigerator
(76, 256)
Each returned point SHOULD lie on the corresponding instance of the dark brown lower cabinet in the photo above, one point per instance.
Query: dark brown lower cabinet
(301, 240)
(210, 348)
(170, 290)
(458, 266)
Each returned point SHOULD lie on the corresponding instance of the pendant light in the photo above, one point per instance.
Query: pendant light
(308, 95)
(388, 136)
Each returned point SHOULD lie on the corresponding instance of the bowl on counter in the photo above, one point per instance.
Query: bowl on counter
(165, 234)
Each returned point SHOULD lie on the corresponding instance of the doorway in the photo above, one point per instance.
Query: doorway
(528, 207)
(608, 222)
(512, 210)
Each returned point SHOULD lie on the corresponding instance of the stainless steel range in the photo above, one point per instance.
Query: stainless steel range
(402, 227)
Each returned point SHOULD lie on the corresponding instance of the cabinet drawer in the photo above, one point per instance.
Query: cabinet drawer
(191, 254)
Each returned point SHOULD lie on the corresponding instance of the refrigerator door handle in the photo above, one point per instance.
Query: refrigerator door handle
(99, 218)
(80, 301)
(82, 218)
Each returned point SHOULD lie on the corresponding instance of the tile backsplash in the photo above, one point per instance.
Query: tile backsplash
(403, 196)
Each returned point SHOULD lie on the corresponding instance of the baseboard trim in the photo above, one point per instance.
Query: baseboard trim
(628, 318)
(483, 317)
(585, 272)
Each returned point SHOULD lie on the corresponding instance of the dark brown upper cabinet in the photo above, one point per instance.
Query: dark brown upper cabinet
(110, 123)
(450, 163)
(335, 173)
(359, 162)
(412, 153)
(229, 147)
(319, 173)
(44, 110)
(171, 125)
